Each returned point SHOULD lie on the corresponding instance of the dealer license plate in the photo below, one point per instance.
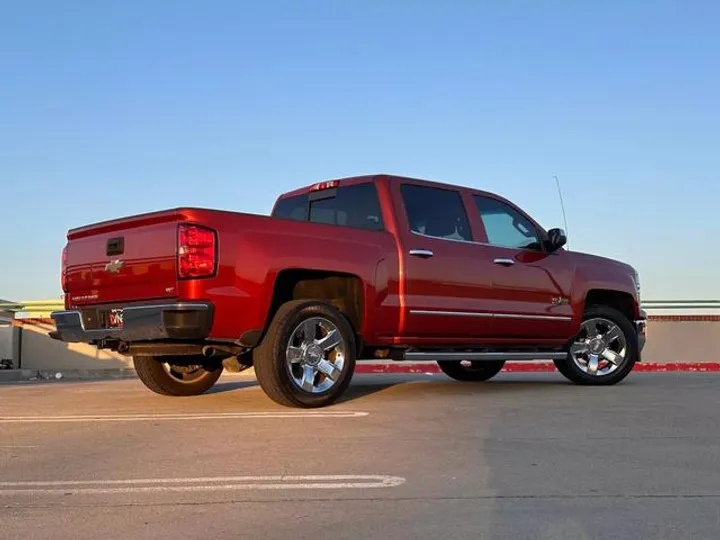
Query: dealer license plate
(115, 318)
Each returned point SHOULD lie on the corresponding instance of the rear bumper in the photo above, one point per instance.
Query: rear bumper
(182, 320)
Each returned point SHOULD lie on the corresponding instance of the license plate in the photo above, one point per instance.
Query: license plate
(115, 318)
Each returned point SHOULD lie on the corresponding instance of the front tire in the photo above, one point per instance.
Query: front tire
(604, 351)
(471, 371)
(307, 357)
(176, 376)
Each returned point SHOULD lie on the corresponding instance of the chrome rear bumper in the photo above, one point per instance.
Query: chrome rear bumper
(182, 320)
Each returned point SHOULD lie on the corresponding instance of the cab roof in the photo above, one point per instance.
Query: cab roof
(351, 180)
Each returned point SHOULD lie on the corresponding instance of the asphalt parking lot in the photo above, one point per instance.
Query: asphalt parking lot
(523, 456)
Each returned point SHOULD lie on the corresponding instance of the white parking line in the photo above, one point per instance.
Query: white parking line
(222, 483)
(178, 416)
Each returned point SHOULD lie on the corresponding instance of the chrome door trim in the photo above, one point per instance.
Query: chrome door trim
(535, 317)
(450, 313)
(529, 356)
(486, 315)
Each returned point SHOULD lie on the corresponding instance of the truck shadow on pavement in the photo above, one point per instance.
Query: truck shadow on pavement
(433, 386)
(354, 392)
(437, 387)
(227, 386)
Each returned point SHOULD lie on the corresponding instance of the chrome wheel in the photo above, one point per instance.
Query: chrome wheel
(184, 374)
(474, 371)
(315, 355)
(176, 375)
(600, 348)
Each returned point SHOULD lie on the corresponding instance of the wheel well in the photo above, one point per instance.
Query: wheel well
(621, 301)
(343, 291)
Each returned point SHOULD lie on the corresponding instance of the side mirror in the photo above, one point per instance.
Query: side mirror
(555, 239)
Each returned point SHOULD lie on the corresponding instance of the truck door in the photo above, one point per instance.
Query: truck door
(531, 286)
(447, 277)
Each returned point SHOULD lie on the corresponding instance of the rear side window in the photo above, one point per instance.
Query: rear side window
(349, 206)
(436, 212)
(352, 206)
(292, 208)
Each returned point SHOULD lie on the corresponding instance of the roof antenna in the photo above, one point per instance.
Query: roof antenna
(562, 206)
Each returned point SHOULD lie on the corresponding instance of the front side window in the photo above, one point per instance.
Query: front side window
(436, 212)
(505, 226)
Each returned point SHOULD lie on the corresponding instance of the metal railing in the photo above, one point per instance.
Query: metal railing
(43, 308)
(33, 306)
(681, 304)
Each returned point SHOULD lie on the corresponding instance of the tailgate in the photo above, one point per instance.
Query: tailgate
(126, 260)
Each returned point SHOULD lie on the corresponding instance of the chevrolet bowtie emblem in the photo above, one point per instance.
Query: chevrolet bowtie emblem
(114, 266)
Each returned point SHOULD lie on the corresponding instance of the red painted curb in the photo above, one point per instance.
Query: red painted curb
(694, 366)
(534, 367)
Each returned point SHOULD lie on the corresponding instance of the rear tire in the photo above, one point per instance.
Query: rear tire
(166, 376)
(473, 371)
(604, 351)
(307, 357)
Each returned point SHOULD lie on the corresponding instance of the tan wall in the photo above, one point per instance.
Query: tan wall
(674, 341)
(42, 353)
(668, 341)
(6, 349)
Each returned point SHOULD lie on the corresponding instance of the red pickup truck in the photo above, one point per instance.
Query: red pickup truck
(372, 267)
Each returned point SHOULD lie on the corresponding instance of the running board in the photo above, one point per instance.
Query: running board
(431, 356)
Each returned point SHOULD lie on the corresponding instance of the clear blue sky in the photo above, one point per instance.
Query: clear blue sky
(112, 108)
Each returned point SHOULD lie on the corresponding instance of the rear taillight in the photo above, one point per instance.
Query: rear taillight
(197, 253)
(63, 270)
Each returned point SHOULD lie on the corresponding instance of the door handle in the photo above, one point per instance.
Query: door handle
(504, 262)
(422, 253)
